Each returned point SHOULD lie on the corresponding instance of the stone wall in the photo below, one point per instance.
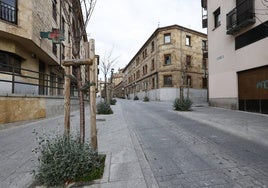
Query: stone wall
(22, 108)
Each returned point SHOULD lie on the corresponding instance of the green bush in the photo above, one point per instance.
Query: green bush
(104, 108)
(136, 98)
(63, 160)
(182, 105)
(146, 99)
(113, 101)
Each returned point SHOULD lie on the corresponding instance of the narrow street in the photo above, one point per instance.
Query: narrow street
(150, 145)
(185, 153)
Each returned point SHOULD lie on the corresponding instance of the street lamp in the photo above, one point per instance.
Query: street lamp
(205, 82)
(112, 72)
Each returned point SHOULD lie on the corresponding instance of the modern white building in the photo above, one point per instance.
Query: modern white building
(237, 53)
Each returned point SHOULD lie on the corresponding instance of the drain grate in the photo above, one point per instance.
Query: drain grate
(100, 119)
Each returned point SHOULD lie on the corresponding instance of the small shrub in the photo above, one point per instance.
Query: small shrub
(136, 98)
(63, 160)
(104, 108)
(146, 99)
(113, 101)
(182, 105)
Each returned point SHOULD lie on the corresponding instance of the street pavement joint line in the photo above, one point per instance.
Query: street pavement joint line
(138, 149)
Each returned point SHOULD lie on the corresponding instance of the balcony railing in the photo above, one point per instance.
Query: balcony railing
(204, 4)
(8, 13)
(204, 14)
(241, 16)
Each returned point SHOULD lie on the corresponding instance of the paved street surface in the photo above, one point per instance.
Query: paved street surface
(183, 152)
(149, 145)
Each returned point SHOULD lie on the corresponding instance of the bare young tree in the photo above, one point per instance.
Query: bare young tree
(106, 65)
(77, 21)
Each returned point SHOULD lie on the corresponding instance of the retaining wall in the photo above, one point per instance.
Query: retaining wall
(15, 108)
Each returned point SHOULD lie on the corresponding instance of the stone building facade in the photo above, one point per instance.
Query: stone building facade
(22, 47)
(31, 66)
(171, 58)
(117, 84)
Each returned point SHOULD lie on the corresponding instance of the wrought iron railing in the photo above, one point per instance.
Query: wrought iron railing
(241, 16)
(8, 13)
(25, 81)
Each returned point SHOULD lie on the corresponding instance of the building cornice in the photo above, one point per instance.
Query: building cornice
(156, 32)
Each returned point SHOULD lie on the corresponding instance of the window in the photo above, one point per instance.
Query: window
(167, 38)
(152, 64)
(144, 53)
(8, 10)
(204, 45)
(62, 51)
(217, 17)
(152, 46)
(10, 62)
(153, 83)
(188, 40)
(53, 81)
(204, 64)
(205, 83)
(167, 80)
(167, 58)
(54, 49)
(138, 74)
(188, 60)
(69, 37)
(63, 26)
(144, 70)
(188, 80)
(54, 10)
(137, 60)
(257, 33)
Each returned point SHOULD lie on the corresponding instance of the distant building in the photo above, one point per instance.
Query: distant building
(118, 86)
(171, 58)
(237, 46)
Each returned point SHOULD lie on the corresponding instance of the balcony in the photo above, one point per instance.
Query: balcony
(205, 51)
(8, 13)
(240, 17)
(204, 4)
(204, 14)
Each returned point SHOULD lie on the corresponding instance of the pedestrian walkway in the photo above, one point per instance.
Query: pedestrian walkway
(125, 164)
(251, 126)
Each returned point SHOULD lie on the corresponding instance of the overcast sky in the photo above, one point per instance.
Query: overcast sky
(124, 25)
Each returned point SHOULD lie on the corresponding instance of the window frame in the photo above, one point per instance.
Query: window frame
(55, 49)
(217, 17)
(167, 80)
(204, 45)
(165, 60)
(152, 65)
(188, 40)
(11, 62)
(167, 38)
(152, 46)
(54, 10)
(188, 60)
(189, 78)
(9, 12)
